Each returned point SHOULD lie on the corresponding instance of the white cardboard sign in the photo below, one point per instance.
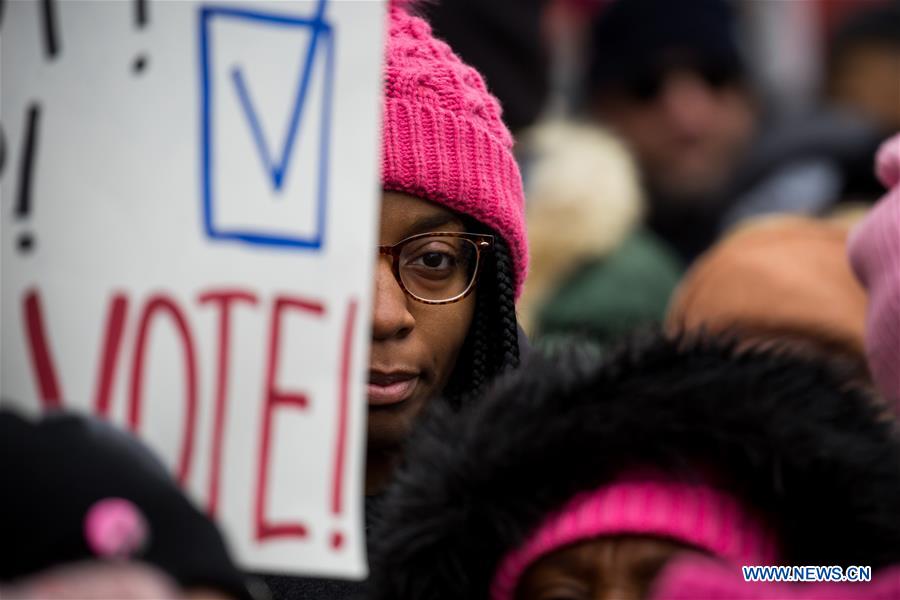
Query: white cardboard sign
(189, 204)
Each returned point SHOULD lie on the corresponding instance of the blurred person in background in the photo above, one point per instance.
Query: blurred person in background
(784, 280)
(582, 478)
(595, 272)
(671, 79)
(88, 512)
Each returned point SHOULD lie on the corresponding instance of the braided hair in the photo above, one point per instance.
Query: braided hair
(492, 344)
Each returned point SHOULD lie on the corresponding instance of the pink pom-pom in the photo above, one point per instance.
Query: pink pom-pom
(115, 527)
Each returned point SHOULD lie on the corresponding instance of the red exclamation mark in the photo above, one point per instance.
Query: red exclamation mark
(337, 488)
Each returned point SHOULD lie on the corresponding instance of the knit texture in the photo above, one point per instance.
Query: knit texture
(875, 256)
(700, 516)
(443, 136)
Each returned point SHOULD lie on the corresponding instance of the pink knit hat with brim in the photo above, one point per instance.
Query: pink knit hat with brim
(875, 256)
(695, 514)
(443, 137)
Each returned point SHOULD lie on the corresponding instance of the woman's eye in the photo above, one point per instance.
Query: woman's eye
(436, 260)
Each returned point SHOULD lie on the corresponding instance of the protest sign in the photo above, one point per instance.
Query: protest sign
(190, 199)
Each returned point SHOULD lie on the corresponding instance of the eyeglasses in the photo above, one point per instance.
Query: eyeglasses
(440, 267)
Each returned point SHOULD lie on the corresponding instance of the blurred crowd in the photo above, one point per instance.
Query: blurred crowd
(700, 371)
(727, 111)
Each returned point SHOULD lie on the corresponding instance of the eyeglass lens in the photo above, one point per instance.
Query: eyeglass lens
(438, 268)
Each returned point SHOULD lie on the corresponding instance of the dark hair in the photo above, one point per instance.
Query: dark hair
(783, 433)
(492, 344)
(632, 43)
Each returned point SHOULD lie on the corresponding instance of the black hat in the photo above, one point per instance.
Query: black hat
(633, 39)
(62, 471)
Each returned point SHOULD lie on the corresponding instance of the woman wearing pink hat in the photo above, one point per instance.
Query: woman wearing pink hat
(453, 252)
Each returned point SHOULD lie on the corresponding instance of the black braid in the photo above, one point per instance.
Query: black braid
(480, 337)
(492, 345)
(506, 309)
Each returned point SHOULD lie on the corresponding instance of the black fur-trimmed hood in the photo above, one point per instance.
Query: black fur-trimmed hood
(820, 461)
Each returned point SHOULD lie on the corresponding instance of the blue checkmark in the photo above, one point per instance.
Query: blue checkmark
(276, 165)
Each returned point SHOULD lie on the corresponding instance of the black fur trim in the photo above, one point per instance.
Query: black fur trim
(784, 433)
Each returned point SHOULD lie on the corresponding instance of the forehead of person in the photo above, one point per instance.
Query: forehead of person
(414, 344)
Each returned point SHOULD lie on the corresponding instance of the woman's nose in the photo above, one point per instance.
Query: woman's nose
(391, 318)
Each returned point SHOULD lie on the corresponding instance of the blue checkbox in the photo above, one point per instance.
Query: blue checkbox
(274, 156)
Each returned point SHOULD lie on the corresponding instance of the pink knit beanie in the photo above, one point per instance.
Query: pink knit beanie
(875, 256)
(443, 137)
(698, 515)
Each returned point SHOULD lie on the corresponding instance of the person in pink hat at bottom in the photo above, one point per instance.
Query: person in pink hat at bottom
(874, 249)
(582, 479)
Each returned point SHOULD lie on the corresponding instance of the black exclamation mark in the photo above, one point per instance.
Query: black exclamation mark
(51, 36)
(140, 21)
(26, 173)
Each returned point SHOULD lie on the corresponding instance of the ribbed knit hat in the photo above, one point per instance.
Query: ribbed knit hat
(698, 515)
(443, 137)
(875, 256)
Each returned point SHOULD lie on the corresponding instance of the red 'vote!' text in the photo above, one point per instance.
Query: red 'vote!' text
(225, 301)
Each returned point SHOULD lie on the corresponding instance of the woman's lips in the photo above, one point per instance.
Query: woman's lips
(390, 388)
